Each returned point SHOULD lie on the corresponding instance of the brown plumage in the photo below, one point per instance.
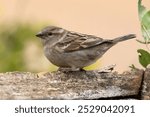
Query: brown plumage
(73, 50)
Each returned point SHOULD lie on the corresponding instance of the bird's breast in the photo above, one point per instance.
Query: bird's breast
(55, 56)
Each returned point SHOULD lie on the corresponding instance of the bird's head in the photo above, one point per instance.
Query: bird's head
(51, 34)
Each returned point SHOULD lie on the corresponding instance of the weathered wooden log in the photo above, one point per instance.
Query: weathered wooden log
(71, 85)
(146, 85)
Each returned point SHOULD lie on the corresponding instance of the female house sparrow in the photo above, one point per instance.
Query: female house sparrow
(72, 50)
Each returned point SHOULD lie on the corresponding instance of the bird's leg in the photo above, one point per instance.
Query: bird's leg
(106, 69)
(68, 69)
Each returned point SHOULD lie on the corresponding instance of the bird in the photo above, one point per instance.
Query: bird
(72, 51)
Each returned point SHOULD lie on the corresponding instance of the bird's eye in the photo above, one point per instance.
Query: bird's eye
(50, 34)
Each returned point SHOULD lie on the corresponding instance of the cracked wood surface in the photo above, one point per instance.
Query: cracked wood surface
(145, 92)
(71, 85)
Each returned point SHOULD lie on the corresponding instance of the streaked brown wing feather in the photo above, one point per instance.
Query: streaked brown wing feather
(76, 41)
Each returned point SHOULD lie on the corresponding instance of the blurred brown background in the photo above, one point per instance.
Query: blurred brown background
(103, 18)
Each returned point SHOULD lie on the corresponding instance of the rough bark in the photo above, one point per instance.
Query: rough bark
(146, 85)
(71, 85)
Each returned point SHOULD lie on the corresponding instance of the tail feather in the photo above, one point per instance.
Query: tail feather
(124, 38)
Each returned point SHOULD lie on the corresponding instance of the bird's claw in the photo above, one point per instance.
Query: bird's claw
(69, 69)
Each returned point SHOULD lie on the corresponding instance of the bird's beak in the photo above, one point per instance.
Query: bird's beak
(40, 34)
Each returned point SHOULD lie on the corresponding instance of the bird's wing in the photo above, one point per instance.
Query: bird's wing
(76, 41)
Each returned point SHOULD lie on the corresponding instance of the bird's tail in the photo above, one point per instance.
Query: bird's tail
(124, 38)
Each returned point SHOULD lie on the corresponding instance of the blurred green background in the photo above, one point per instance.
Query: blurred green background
(13, 40)
(20, 49)
(20, 20)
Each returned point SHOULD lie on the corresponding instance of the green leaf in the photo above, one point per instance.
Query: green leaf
(141, 9)
(146, 20)
(144, 16)
(146, 26)
(144, 57)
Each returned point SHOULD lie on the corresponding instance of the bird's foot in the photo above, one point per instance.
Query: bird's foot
(107, 69)
(62, 69)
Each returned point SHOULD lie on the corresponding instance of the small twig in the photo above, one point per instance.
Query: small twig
(107, 69)
(142, 42)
